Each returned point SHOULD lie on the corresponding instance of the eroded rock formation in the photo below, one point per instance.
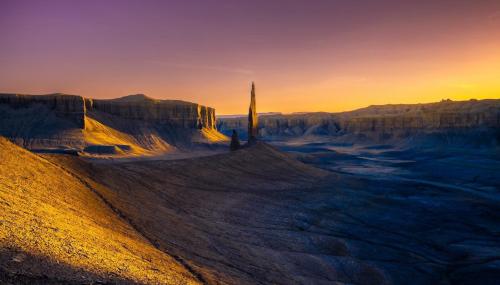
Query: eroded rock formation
(385, 121)
(71, 107)
(132, 124)
(252, 118)
(137, 107)
(173, 112)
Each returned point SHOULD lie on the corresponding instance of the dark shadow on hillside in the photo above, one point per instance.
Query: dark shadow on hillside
(22, 268)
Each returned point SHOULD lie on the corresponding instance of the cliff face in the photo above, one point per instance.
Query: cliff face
(176, 122)
(282, 125)
(379, 121)
(135, 124)
(175, 113)
(446, 115)
(425, 122)
(71, 107)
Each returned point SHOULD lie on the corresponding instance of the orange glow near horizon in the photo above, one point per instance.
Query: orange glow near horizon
(324, 56)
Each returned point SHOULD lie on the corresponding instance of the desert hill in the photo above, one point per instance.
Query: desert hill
(56, 229)
(474, 120)
(67, 221)
(132, 125)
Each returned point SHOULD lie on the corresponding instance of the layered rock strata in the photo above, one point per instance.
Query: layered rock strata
(382, 120)
(71, 107)
(172, 112)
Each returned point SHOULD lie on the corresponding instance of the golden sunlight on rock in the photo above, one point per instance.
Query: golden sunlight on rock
(54, 225)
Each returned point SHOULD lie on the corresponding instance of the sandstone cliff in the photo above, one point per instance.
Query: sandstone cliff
(421, 117)
(132, 124)
(66, 106)
(173, 112)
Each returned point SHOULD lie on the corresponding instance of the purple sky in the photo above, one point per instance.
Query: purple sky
(305, 55)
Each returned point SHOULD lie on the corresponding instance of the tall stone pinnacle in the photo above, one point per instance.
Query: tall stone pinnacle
(252, 118)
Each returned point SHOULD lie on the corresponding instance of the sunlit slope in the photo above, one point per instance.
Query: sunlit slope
(102, 128)
(211, 135)
(98, 134)
(54, 227)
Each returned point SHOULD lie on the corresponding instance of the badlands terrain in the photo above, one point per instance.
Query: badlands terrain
(476, 121)
(134, 125)
(109, 192)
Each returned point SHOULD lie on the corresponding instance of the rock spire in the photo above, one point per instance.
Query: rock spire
(252, 118)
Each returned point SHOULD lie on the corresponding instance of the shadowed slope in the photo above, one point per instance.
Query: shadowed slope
(55, 228)
(142, 143)
(257, 216)
(235, 216)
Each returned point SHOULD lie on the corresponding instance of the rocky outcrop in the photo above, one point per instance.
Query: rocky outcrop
(172, 112)
(137, 107)
(71, 107)
(133, 124)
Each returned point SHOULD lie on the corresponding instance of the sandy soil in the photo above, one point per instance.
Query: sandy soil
(55, 228)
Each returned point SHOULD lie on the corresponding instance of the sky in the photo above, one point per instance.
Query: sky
(304, 55)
